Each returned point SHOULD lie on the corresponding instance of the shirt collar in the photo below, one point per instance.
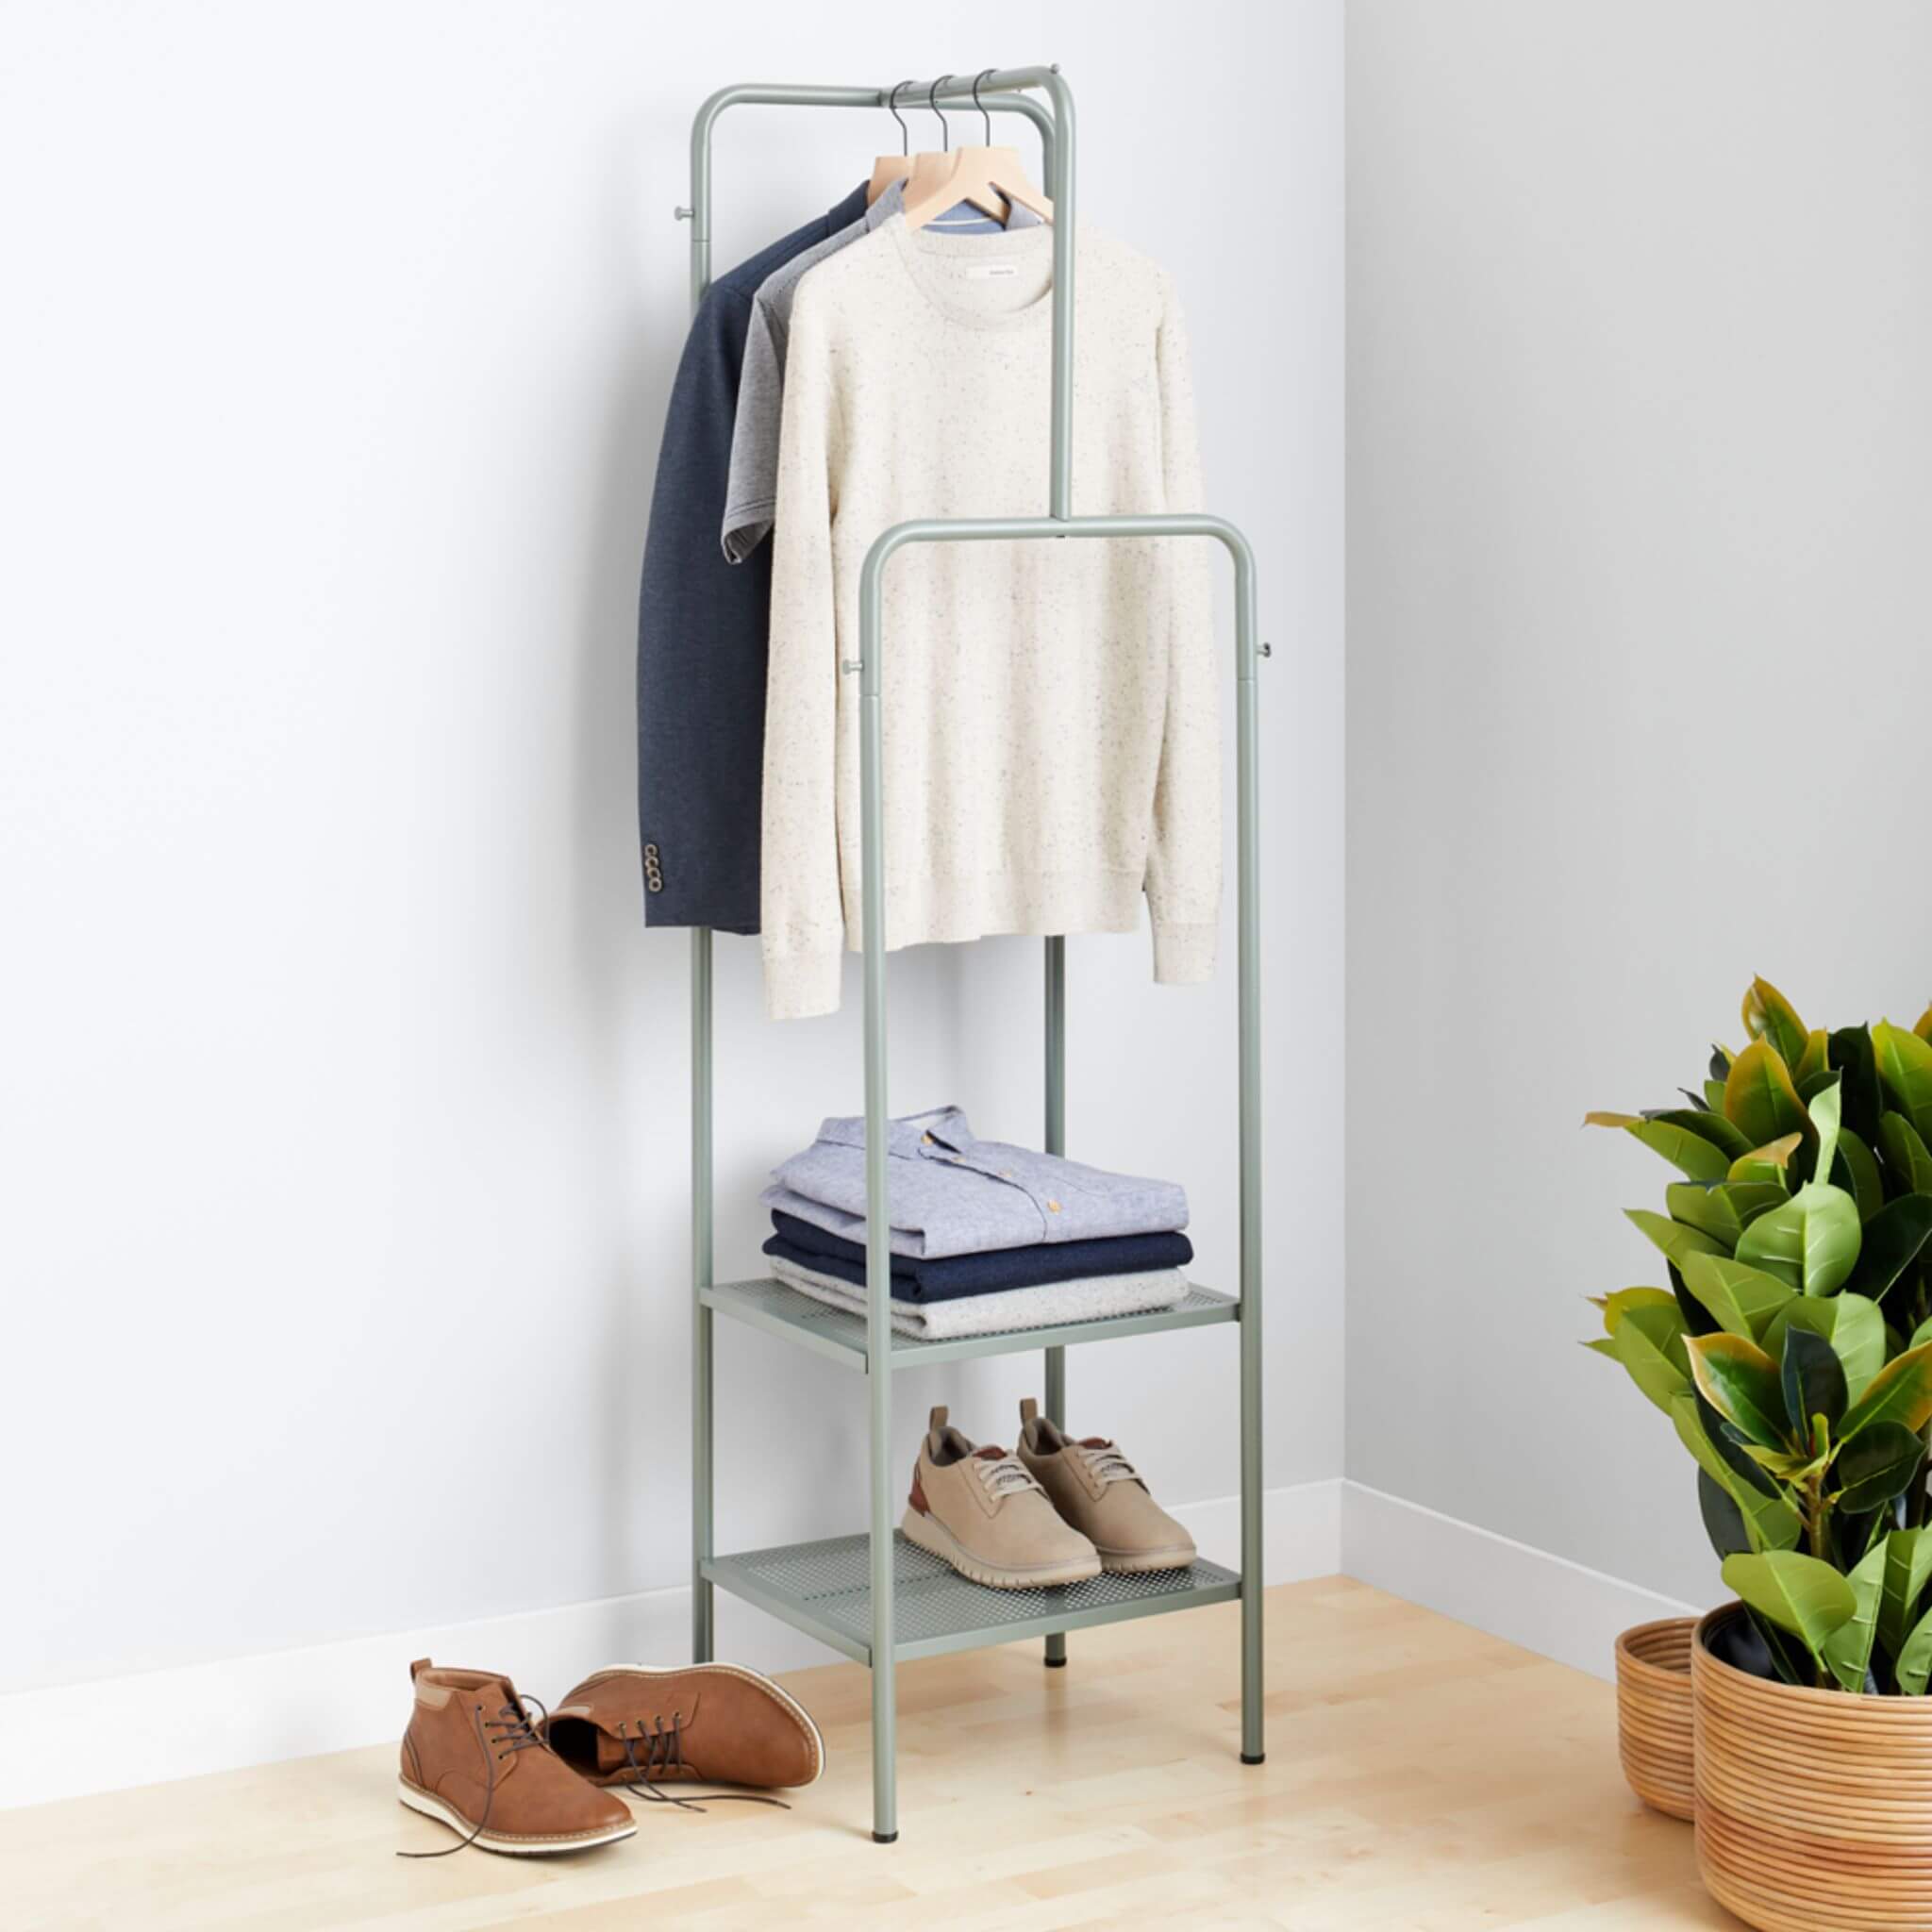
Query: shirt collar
(909, 1138)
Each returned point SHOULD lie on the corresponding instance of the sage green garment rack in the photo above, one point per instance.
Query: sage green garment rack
(876, 1597)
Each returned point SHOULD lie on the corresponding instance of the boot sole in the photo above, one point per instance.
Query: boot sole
(775, 1691)
(934, 1537)
(417, 1799)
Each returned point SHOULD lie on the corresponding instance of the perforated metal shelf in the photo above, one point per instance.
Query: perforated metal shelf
(782, 1310)
(825, 1589)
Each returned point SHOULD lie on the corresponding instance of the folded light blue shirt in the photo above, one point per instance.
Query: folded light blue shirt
(951, 1194)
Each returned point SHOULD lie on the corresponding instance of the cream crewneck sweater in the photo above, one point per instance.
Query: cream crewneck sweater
(1050, 722)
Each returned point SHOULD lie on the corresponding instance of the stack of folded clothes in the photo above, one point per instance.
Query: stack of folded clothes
(985, 1237)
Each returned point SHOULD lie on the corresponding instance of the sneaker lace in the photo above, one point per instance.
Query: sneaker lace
(1107, 1464)
(518, 1734)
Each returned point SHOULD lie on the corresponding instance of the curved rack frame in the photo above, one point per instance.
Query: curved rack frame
(753, 1576)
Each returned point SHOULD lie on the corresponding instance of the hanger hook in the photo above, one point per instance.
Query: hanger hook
(981, 105)
(892, 108)
(932, 101)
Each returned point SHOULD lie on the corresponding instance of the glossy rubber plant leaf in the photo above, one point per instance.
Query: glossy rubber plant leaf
(1773, 1524)
(1899, 1393)
(1853, 1325)
(1893, 1241)
(1690, 1152)
(1855, 1170)
(1742, 1299)
(1907, 1157)
(1650, 1343)
(1768, 1015)
(1905, 1070)
(1851, 1053)
(1878, 1464)
(1617, 1305)
(1672, 1237)
(1741, 1383)
(1800, 1595)
(1848, 1649)
(1812, 1242)
(1813, 1381)
(1914, 1665)
(1759, 1096)
(1907, 1566)
(1723, 1521)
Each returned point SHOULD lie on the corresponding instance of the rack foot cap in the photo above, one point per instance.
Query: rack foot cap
(1260, 1757)
(885, 1837)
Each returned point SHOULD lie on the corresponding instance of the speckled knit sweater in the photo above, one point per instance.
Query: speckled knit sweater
(1052, 722)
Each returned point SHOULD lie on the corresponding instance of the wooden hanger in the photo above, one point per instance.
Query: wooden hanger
(990, 177)
(890, 168)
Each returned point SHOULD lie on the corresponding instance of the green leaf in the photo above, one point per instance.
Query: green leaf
(1812, 1242)
(1900, 1393)
(1800, 1595)
(1855, 1170)
(1907, 1565)
(1892, 1239)
(1906, 1154)
(1880, 1464)
(1773, 1525)
(1759, 1097)
(1768, 1015)
(1853, 1325)
(1672, 1237)
(1695, 1155)
(1742, 1299)
(1741, 1383)
(1905, 1067)
(1650, 1343)
(1915, 1659)
(1723, 1521)
(1813, 1381)
(1848, 1649)
(1616, 1306)
(1769, 1162)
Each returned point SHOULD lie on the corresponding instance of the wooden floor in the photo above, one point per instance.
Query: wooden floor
(1419, 1777)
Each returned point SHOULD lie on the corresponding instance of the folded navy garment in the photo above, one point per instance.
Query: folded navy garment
(987, 1272)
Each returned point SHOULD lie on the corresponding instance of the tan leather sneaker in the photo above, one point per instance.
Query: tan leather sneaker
(1103, 1495)
(704, 1724)
(978, 1510)
(473, 1760)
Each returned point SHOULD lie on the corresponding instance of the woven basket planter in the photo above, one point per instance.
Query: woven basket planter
(1653, 1715)
(1814, 1807)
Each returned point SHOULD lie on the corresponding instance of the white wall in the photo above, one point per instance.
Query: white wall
(1638, 408)
(343, 1116)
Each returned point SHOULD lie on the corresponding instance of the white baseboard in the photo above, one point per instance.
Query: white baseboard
(1546, 1603)
(237, 1711)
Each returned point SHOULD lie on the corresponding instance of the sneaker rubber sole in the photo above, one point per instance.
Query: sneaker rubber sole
(430, 1806)
(932, 1535)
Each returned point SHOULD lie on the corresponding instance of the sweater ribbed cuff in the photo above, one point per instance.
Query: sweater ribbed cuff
(1184, 955)
(801, 986)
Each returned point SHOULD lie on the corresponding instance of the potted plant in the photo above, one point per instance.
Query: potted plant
(1792, 1351)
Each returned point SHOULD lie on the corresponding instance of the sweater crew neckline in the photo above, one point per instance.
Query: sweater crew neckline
(921, 249)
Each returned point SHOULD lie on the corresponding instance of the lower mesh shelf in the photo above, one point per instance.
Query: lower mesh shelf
(826, 1587)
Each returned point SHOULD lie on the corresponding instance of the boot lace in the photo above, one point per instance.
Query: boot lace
(517, 1734)
(664, 1758)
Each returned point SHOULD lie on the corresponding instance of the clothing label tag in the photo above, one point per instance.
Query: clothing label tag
(990, 271)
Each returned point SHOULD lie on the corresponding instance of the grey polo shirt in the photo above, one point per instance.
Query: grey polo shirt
(951, 1194)
(751, 494)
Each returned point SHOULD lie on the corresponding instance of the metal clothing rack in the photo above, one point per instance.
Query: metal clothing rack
(876, 1597)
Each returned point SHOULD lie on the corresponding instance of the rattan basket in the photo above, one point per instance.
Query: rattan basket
(1654, 1717)
(1814, 1807)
